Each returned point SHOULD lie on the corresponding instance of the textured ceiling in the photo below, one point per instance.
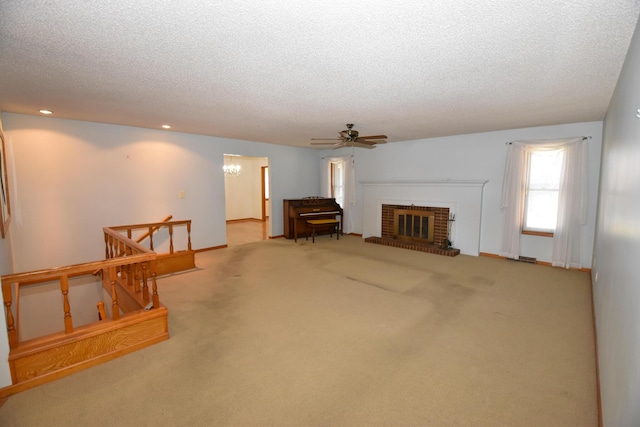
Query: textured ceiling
(283, 72)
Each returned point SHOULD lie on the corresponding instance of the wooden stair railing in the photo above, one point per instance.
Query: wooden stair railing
(154, 229)
(113, 250)
(61, 274)
(142, 237)
(136, 320)
(130, 281)
(167, 262)
(131, 276)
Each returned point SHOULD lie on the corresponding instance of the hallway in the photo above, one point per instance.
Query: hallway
(246, 231)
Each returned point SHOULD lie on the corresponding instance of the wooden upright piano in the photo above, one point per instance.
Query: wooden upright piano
(296, 212)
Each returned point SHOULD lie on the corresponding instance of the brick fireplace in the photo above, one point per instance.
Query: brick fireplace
(462, 197)
(426, 238)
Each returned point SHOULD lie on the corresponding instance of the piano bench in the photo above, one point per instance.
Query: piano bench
(334, 223)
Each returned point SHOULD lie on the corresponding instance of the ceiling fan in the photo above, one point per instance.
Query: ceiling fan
(351, 138)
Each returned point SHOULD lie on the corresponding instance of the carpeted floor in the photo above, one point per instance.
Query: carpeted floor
(345, 333)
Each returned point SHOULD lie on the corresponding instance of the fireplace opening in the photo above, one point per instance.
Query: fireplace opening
(413, 225)
(420, 228)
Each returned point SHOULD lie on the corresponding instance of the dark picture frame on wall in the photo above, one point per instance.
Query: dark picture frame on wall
(5, 205)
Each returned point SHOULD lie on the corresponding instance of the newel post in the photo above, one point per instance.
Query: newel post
(12, 332)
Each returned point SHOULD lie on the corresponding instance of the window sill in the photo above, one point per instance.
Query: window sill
(537, 233)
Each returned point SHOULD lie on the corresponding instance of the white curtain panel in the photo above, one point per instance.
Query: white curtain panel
(325, 185)
(572, 206)
(349, 193)
(572, 198)
(513, 186)
(349, 189)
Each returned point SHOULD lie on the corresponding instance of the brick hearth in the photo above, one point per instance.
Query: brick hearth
(422, 247)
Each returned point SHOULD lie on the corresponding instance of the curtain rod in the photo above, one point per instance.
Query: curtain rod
(583, 138)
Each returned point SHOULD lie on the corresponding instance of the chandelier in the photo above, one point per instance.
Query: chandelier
(231, 170)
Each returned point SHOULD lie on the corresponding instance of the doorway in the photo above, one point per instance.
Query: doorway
(247, 207)
(265, 192)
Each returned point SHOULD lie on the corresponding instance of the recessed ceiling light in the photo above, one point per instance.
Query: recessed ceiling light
(166, 127)
(47, 112)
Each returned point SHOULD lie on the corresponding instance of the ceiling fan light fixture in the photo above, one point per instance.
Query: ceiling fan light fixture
(352, 138)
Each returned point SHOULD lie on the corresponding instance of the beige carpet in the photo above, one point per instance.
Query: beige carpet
(346, 333)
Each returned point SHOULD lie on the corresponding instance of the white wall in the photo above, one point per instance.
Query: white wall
(73, 178)
(476, 157)
(616, 258)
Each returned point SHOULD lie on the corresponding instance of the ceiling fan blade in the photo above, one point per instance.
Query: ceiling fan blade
(325, 143)
(373, 137)
(371, 142)
(326, 139)
(357, 144)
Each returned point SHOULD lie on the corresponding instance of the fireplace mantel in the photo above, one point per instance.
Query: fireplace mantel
(462, 197)
(431, 182)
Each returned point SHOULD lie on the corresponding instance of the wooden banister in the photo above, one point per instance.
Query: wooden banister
(149, 224)
(11, 324)
(151, 230)
(52, 274)
(126, 256)
(114, 246)
(115, 236)
(128, 275)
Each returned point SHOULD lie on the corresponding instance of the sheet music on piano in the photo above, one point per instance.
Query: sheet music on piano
(297, 211)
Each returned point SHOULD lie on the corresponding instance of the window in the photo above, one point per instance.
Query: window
(337, 182)
(541, 197)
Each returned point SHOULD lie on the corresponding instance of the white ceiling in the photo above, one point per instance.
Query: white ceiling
(286, 71)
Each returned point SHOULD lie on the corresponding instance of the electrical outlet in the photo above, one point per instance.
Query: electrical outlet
(181, 194)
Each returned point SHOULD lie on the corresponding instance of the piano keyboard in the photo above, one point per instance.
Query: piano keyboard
(320, 213)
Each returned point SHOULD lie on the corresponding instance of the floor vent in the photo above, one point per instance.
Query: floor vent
(527, 259)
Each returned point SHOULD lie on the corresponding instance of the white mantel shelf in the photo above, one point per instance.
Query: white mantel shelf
(434, 182)
(462, 197)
